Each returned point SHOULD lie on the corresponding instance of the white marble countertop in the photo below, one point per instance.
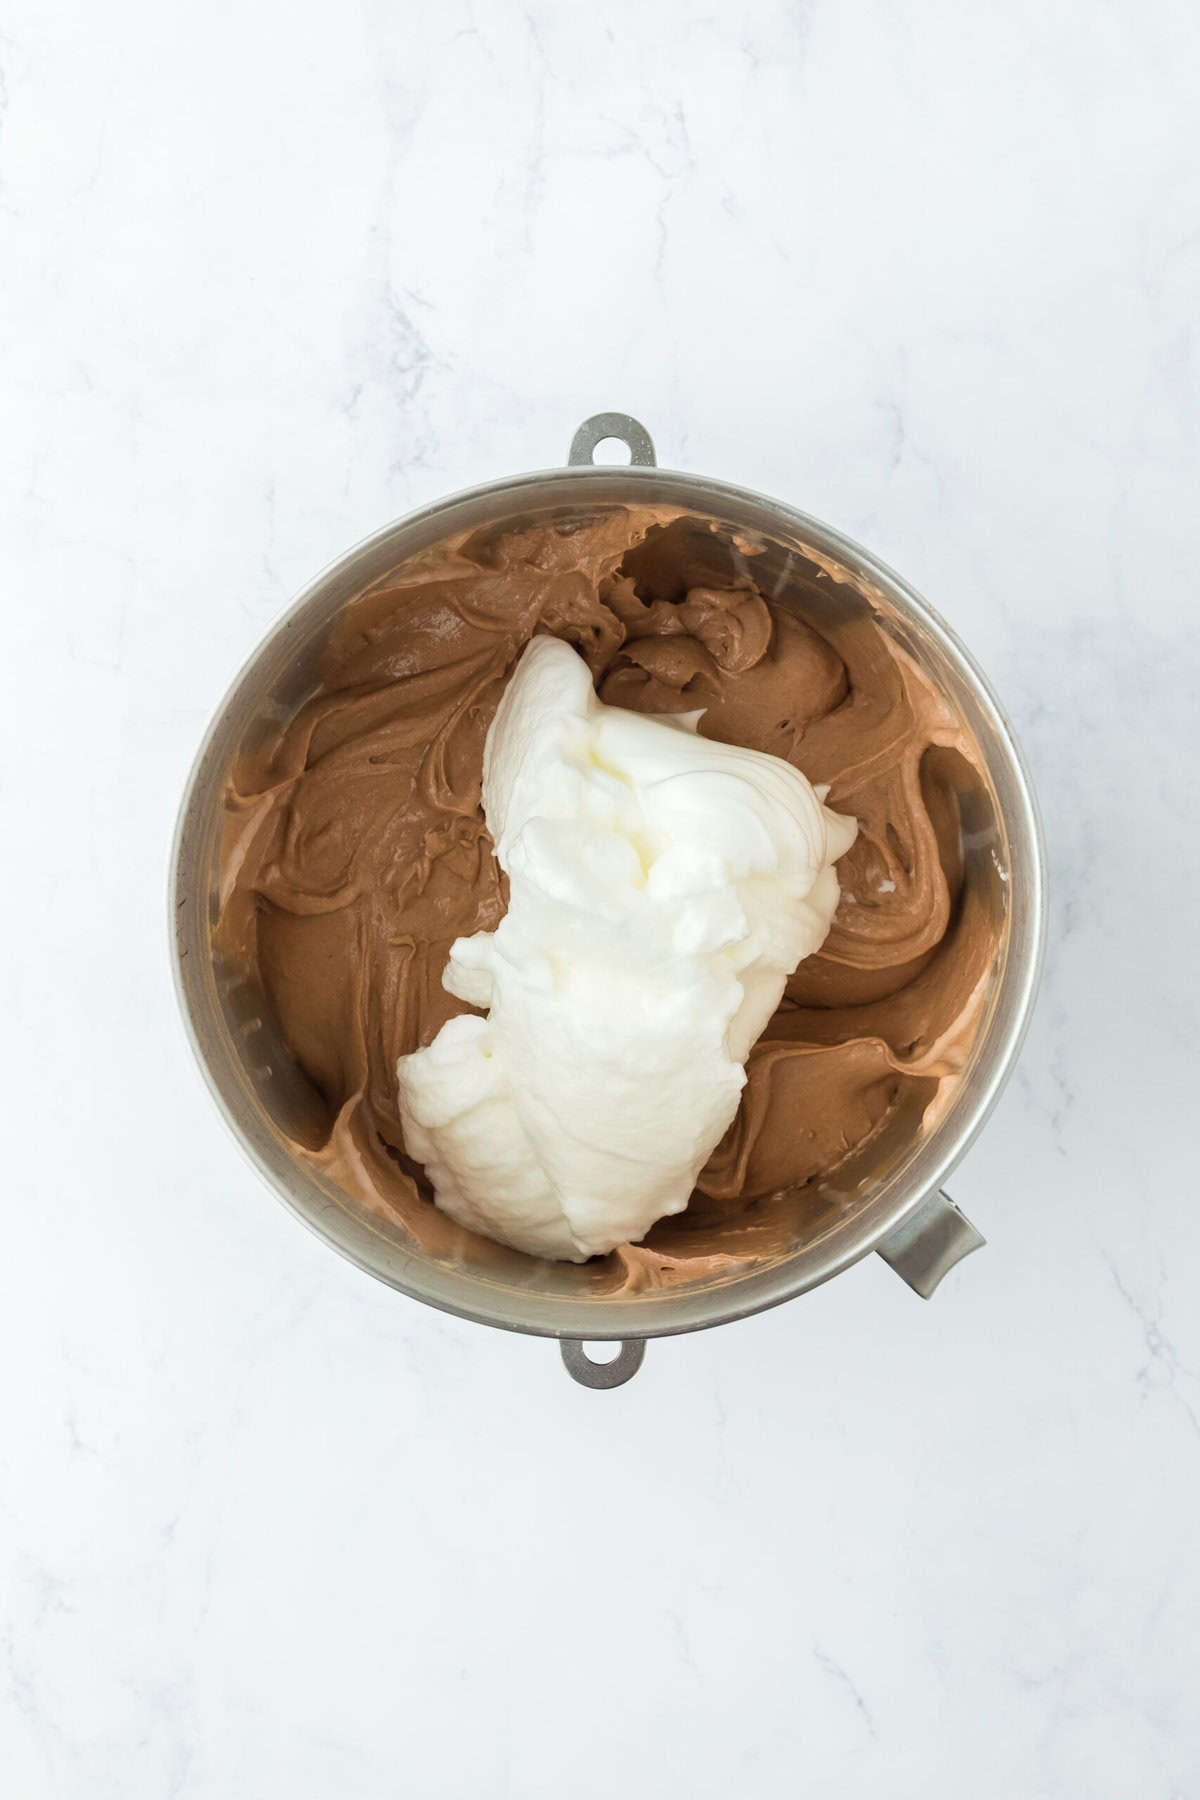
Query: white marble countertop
(271, 275)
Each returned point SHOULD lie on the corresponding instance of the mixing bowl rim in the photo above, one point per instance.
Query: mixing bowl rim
(1005, 1031)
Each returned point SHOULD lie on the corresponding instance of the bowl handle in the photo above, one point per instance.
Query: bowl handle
(587, 1373)
(627, 431)
(930, 1243)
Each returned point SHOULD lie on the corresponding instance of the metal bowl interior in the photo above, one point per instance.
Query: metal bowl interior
(267, 1101)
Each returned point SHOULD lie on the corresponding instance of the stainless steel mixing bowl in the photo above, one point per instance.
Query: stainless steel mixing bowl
(886, 1198)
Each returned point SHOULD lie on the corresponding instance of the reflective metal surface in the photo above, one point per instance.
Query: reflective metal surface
(878, 1199)
(623, 1366)
(928, 1245)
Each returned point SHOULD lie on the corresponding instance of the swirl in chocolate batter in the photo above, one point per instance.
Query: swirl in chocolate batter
(356, 849)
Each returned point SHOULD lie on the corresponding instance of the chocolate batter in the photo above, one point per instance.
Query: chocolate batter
(356, 849)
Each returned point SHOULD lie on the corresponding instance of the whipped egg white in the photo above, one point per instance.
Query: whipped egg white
(662, 888)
